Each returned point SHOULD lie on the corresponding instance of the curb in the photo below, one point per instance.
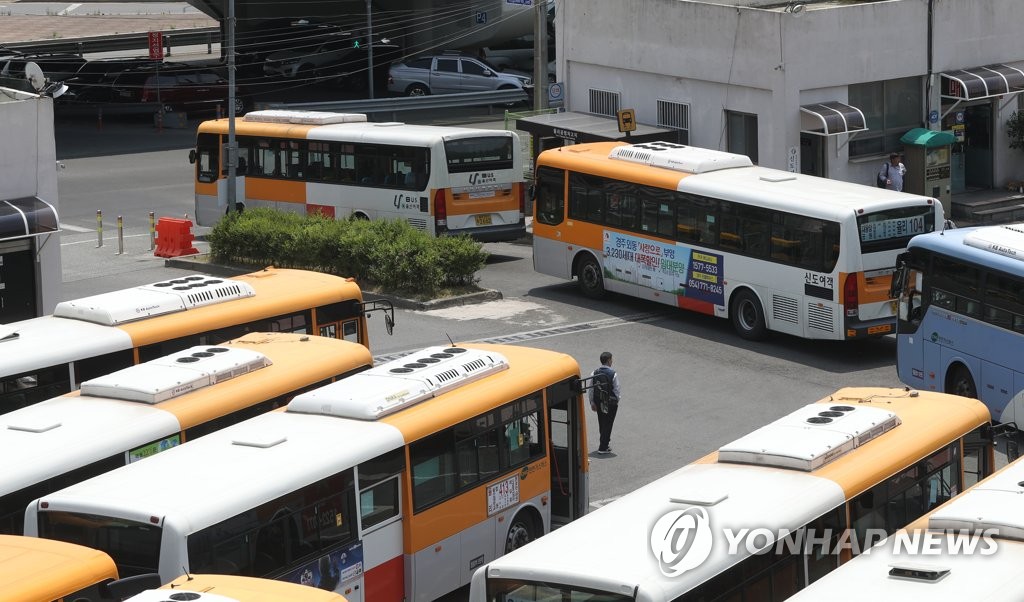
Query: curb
(200, 263)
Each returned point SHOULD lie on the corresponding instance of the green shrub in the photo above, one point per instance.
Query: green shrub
(388, 254)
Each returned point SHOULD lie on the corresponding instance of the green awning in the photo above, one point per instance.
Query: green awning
(927, 138)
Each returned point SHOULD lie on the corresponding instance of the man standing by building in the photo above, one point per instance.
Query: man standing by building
(604, 399)
(892, 172)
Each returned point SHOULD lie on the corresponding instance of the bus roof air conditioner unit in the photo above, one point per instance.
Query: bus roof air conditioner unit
(679, 157)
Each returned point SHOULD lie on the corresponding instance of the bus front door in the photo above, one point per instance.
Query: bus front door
(569, 495)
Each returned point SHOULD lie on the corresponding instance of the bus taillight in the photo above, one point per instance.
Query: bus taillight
(522, 202)
(440, 212)
(850, 297)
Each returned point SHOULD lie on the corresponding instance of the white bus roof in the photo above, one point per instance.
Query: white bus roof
(34, 346)
(41, 441)
(751, 497)
(833, 199)
(233, 464)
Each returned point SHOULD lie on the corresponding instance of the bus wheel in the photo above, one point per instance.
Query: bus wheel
(591, 279)
(959, 382)
(748, 316)
(521, 532)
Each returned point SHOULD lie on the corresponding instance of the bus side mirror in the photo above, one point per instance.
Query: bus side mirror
(389, 323)
(576, 385)
(192, 156)
(119, 589)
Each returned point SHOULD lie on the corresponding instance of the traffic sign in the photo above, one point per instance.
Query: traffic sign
(156, 46)
(627, 120)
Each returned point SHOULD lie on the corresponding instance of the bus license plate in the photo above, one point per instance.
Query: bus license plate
(483, 220)
(879, 329)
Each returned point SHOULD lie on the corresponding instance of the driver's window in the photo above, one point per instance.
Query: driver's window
(474, 68)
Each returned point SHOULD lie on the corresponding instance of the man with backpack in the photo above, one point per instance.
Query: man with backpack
(604, 399)
(891, 174)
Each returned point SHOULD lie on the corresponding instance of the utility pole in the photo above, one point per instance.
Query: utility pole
(369, 44)
(232, 157)
(540, 54)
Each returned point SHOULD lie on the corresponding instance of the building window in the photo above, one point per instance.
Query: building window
(741, 129)
(603, 102)
(890, 109)
(675, 115)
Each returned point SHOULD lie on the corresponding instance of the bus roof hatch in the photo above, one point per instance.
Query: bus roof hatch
(168, 296)
(176, 374)
(679, 157)
(399, 384)
(810, 437)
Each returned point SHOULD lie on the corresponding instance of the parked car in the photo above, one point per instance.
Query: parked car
(173, 86)
(516, 53)
(254, 45)
(56, 66)
(449, 73)
(307, 61)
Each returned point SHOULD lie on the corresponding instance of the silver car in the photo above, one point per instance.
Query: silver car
(449, 73)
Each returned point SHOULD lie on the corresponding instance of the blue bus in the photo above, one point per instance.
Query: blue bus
(960, 326)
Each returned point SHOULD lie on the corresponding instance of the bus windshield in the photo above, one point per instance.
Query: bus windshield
(474, 154)
(893, 228)
(134, 546)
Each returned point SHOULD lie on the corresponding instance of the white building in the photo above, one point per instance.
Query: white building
(787, 82)
(30, 270)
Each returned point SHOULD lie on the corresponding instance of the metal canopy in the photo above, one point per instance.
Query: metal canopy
(983, 82)
(831, 118)
(27, 216)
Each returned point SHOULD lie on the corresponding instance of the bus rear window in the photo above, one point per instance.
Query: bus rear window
(134, 546)
(893, 228)
(474, 154)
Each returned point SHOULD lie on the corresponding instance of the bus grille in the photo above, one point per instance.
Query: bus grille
(418, 223)
(785, 309)
(819, 317)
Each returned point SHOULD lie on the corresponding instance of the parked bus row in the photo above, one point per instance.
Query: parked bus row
(391, 484)
(84, 338)
(141, 410)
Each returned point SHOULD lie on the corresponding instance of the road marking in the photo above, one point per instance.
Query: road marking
(544, 333)
(70, 228)
(67, 10)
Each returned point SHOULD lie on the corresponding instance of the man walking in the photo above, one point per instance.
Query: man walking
(604, 399)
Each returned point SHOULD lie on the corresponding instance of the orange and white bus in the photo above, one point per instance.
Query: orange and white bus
(232, 588)
(710, 232)
(44, 357)
(440, 179)
(44, 570)
(390, 485)
(145, 409)
(765, 515)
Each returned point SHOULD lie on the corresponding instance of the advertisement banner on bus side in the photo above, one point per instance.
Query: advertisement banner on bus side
(668, 267)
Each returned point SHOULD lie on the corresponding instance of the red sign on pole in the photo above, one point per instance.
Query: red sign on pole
(156, 45)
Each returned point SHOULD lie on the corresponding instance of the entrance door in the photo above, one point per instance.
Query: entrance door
(17, 282)
(978, 146)
(812, 155)
(568, 481)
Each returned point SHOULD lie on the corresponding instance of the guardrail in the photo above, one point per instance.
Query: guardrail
(122, 41)
(414, 103)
